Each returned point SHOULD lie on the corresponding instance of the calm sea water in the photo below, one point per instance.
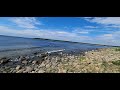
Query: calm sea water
(8, 43)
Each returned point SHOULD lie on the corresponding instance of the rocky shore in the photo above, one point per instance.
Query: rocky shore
(105, 60)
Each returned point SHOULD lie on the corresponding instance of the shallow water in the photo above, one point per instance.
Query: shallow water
(10, 46)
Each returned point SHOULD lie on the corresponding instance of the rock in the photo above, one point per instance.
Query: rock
(34, 62)
(4, 72)
(44, 55)
(4, 60)
(35, 53)
(20, 71)
(10, 63)
(41, 71)
(18, 67)
(62, 71)
(28, 69)
(48, 65)
(33, 72)
(42, 65)
(24, 62)
(22, 58)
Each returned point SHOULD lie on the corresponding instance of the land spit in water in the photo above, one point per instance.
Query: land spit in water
(106, 60)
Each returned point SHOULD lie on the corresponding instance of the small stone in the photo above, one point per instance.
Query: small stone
(33, 72)
(34, 62)
(28, 69)
(42, 65)
(48, 65)
(20, 71)
(96, 68)
(41, 71)
(24, 62)
(18, 67)
(22, 58)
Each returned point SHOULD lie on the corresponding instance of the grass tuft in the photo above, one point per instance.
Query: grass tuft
(116, 62)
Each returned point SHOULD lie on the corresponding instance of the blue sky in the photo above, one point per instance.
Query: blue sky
(98, 30)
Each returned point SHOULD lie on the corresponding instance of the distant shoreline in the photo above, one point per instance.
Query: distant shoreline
(74, 42)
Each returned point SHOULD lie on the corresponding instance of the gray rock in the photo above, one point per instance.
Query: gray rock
(22, 58)
(24, 62)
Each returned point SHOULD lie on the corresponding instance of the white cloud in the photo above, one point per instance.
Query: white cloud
(108, 35)
(107, 21)
(81, 31)
(59, 35)
(108, 39)
(91, 27)
(26, 22)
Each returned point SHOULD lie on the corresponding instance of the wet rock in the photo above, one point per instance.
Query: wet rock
(10, 64)
(4, 60)
(35, 53)
(22, 58)
(44, 55)
(36, 58)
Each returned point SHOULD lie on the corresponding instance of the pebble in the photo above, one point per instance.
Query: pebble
(41, 71)
(24, 62)
(20, 71)
(28, 69)
(34, 62)
(18, 67)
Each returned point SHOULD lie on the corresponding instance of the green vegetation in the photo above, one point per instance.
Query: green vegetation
(104, 63)
(117, 49)
(116, 62)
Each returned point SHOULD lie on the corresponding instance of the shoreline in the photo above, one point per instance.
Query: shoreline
(94, 61)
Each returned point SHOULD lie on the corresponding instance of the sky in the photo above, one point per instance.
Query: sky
(96, 30)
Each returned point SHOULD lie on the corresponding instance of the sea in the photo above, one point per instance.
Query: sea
(12, 46)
